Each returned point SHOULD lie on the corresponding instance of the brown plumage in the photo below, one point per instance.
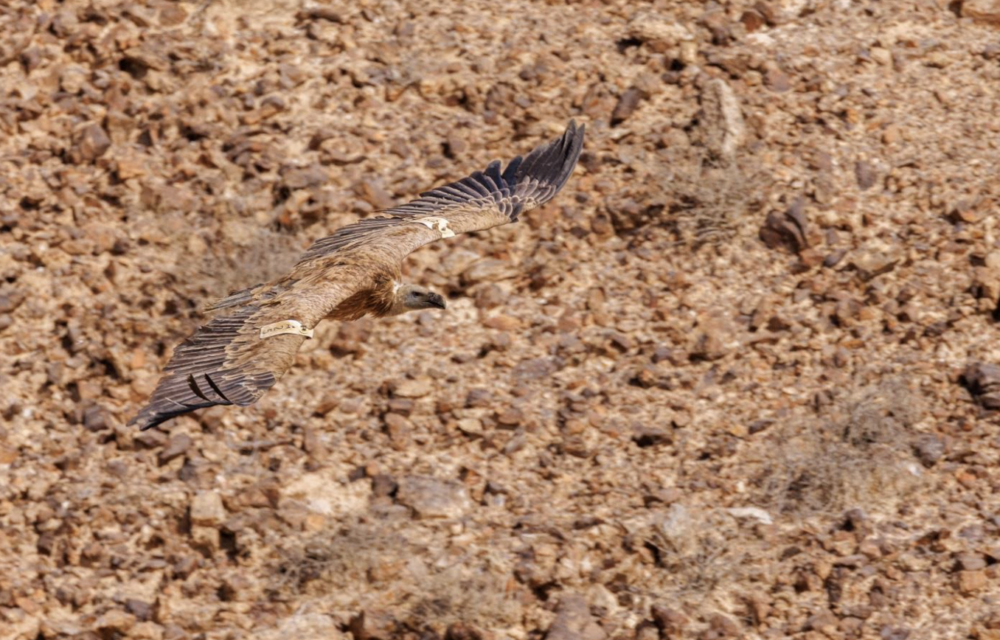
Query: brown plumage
(237, 357)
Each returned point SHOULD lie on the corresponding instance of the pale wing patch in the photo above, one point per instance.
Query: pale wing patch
(285, 326)
(437, 223)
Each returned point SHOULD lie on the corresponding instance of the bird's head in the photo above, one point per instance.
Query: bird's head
(415, 297)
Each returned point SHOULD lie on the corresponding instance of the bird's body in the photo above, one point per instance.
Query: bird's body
(355, 272)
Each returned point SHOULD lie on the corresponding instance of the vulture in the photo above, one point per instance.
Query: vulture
(241, 353)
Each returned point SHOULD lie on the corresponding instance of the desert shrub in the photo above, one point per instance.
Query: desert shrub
(373, 565)
(857, 454)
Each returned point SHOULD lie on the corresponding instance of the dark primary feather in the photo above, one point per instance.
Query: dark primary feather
(198, 375)
(526, 183)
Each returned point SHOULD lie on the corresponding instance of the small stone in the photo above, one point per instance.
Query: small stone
(984, 11)
(929, 449)
(454, 146)
(8, 455)
(574, 621)
(92, 143)
(172, 15)
(970, 582)
(628, 102)
(875, 261)
(663, 353)
(777, 80)
(864, 173)
(115, 621)
(723, 626)
(412, 389)
(502, 323)
(462, 631)
(141, 609)
(96, 418)
(471, 426)
(376, 195)
(983, 381)
(969, 561)
(657, 32)
(207, 509)
(536, 369)
(712, 340)
(399, 429)
(176, 447)
(434, 498)
(373, 625)
(670, 622)
(752, 20)
(786, 229)
(511, 417)
(646, 436)
(383, 485)
(303, 177)
(824, 622)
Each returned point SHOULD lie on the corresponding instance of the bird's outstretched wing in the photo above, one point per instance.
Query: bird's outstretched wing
(483, 200)
(236, 358)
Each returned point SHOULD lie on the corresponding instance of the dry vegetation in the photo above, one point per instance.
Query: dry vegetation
(739, 380)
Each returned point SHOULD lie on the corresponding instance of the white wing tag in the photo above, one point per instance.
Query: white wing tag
(437, 223)
(293, 327)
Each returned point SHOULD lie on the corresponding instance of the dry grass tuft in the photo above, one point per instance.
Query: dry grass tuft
(711, 202)
(264, 255)
(858, 456)
(703, 552)
(375, 566)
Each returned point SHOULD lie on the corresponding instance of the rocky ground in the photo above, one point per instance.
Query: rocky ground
(738, 380)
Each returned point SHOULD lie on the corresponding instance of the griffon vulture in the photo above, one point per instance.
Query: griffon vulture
(237, 357)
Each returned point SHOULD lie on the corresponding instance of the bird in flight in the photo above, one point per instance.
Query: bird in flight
(238, 356)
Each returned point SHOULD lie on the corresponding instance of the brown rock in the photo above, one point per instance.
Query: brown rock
(502, 323)
(971, 582)
(399, 429)
(864, 173)
(777, 80)
(375, 194)
(114, 622)
(573, 621)
(303, 177)
(930, 449)
(712, 340)
(752, 20)
(92, 142)
(983, 381)
(8, 455)
(824, 622)
(969, 561)
(984, 11)
(536, 369)
(172, 15)
(434, 498)
(207, 509)
(141, 609)
(176, 447)
(412, 389)
(787, 229)
(628, 102)
(875, 261)
(669, 621)
(372, 625)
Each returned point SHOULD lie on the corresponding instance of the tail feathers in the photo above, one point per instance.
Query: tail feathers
(201, 373)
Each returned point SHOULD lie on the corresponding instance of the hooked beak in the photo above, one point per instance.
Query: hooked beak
(436, 300)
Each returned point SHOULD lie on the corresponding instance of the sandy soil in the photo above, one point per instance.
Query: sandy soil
(738, 380)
